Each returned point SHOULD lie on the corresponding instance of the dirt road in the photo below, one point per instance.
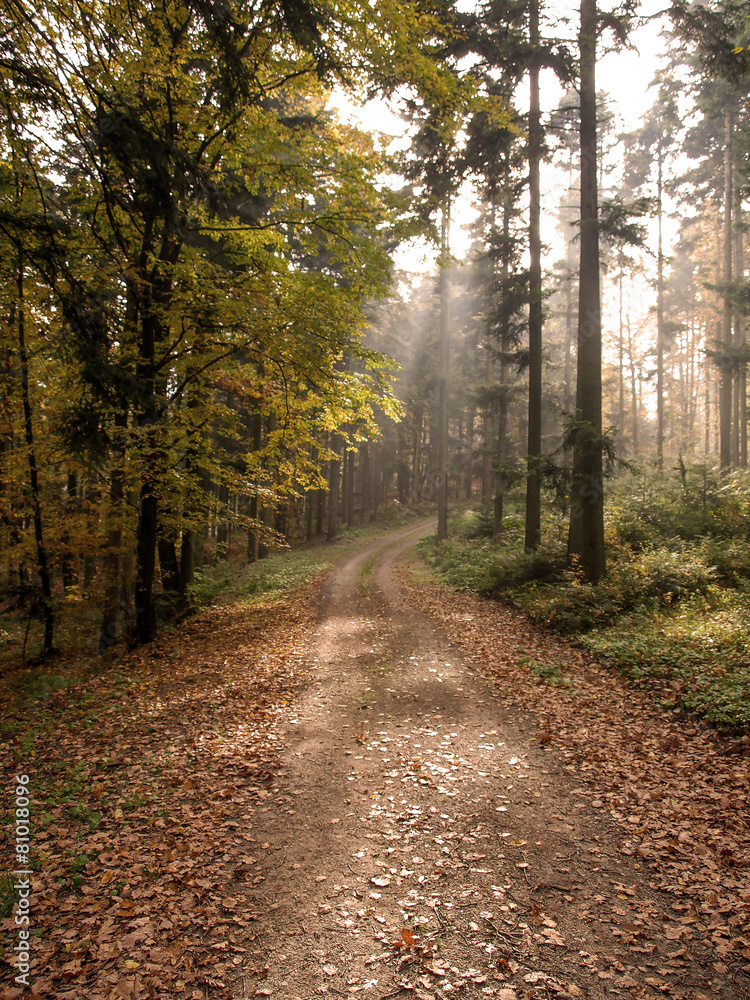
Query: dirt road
(426, 845)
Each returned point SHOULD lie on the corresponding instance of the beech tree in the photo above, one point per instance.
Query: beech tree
(214, 228)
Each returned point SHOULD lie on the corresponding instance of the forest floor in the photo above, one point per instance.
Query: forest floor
(382, 788)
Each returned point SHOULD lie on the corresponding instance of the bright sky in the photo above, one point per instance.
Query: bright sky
(624, 74)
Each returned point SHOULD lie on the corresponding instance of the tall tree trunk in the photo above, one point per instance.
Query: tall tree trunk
(469, 464)
(660, 313)
(252, 534)
(586, 537)
(501, 454)
(442, 528)
(222, 531)
(568, 332)
(334, 488)
(725, 388)
(740, 333)
(309, 511)
(634, 388)
(352, 455)
(145, 608)
(534, 451)
(267, 511)
(621, 358)
(170, 570)
(187, 560)
(488, 442)
(416, 471)
(69, 561)
(36, 498)
(153, 464)
(365, 484)
(320, 512)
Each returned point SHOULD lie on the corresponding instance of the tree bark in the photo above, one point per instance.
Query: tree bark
(501, 455)
(660, 314)
(586, 536)
(633, 388)
(469, 464)
(187, 560)
(621, 356)
(488, 443)
(740, 335)
(170, 570)
(534, 450)
(334, 488)
(69, 560)
(442, 528)
(725, 386)
(252, 534)
(36, 499)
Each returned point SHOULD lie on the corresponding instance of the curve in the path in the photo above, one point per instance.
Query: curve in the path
(419, 845)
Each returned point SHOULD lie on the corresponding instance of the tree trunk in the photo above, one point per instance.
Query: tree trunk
(364, 478)
(267, 512)
(350, 495)
(633, 388)
(469, 464)
(442, 528)
(222, 530)
(621, 358)
(170, 570)
(725, 388)
(740, 335)
(660, 314)
(187, 560)
(487, 443)
(69, 561)
(586, 536)
(334, 488)
(534, 451)
(109, 633)
(416, 471)
(36, 500)
(145, 608)
(501, 455)
(252, 534)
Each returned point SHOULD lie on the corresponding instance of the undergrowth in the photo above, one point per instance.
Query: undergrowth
(671, 613)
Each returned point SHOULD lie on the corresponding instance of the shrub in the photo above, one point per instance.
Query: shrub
(729, 558)
(647, 509)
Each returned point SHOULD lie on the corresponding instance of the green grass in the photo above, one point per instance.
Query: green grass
(549, 673)
(284, 572)
(365, 586)
(698, 652)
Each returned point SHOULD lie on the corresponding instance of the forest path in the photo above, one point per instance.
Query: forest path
(423, 843)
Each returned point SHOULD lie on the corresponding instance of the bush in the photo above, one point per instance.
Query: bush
(674, 605)
(653, 579)
(730, 560)
(647, 509)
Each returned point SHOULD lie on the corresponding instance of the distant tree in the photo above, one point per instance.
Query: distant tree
(647, 153)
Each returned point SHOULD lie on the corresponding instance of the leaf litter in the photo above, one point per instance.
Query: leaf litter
(144, 780)
(292, 805)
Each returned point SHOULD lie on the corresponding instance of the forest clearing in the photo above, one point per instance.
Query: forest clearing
(369, 791)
